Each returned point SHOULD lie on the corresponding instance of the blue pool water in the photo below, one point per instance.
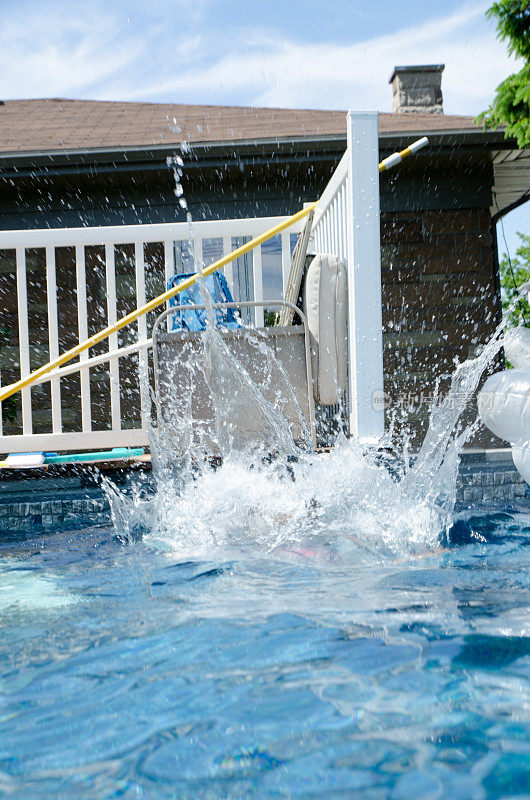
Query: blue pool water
(306, 672)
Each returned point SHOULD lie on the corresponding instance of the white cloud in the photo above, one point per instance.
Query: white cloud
(50, 55)
(273, 72)
(92, 48)
(177, 54)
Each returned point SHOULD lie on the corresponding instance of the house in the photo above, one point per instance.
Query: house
(73, 163)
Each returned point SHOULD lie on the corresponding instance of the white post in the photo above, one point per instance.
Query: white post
(82, 327)
(169, 262)
(23, 338)
(286, 260)
(114, 368)
(228, 268)
(257, 275)
(365, 339)
(143, 370)
(53, 337)
(169, 270)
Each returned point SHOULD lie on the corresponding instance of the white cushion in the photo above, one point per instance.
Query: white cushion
(325, 308)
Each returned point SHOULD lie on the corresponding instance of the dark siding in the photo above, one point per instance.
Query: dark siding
(221, 193)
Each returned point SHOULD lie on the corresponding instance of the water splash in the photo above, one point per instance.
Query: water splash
(296, 498)
(270, 494)
(275, 497)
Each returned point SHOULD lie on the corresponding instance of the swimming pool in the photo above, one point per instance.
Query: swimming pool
(302, 672)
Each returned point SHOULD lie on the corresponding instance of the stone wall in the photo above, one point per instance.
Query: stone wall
(491, 484)
(49, 515)
(440, 303)
(33, 501)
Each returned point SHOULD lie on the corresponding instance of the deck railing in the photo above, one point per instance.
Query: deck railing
(330, 225)
(103, 400)
(67, 283)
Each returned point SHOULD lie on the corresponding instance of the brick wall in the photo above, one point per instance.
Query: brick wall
(439, 304)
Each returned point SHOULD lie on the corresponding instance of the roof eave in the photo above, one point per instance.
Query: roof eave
(470, 137)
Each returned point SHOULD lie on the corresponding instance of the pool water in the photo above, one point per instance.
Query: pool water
(314, 670)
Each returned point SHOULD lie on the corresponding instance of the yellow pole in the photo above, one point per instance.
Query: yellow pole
(13, 388)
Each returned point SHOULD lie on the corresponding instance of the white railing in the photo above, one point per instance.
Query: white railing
(99, 415)
(80, 415)
(330, 226)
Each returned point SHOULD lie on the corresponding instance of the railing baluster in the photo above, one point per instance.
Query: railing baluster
(336, 226)
(257, 274)
(110, 275)
(336, 229)
(316, 238)
(169, 261)
(23, 338)
(331, 217)
(82, 327)
(53, 336)
(169, 269)
(197, 253)
(349, 216)
(342, 212)
(345, 219)
(329, 248)
(143, 373)
(229, 268)
(286, 260)
(339, 223)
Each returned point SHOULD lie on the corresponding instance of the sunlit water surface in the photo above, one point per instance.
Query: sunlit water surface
(322, 670)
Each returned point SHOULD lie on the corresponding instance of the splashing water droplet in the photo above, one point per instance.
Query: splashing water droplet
(268, 492)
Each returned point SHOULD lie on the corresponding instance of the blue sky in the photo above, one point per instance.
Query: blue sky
(289, 53)
(300, 54)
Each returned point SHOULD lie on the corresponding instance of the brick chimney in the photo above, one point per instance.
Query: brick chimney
(417, 89)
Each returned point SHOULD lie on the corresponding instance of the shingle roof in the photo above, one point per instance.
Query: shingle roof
(32, 126)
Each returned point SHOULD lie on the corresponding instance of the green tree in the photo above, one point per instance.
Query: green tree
(513, 274)
(511, 104)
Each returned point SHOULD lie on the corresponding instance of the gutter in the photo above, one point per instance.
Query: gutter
(221, 155)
